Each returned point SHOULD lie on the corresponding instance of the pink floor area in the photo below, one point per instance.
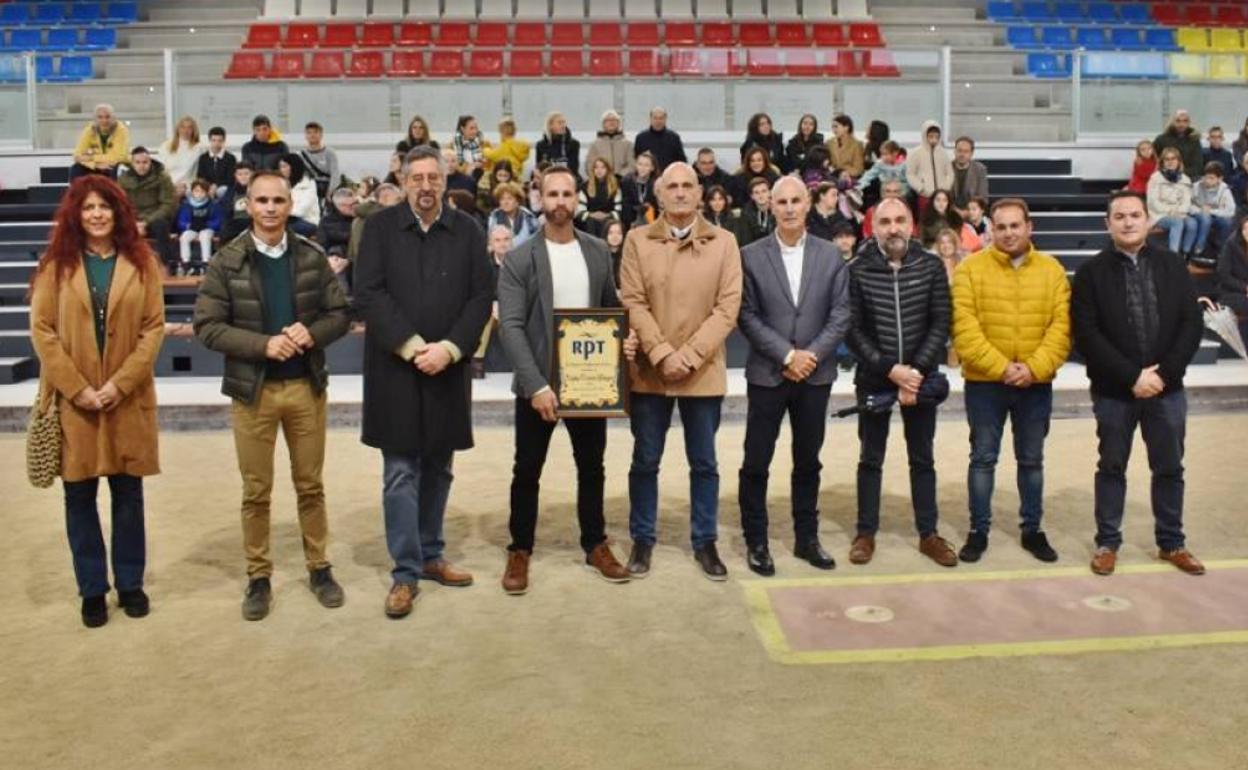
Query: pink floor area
(1006, 610)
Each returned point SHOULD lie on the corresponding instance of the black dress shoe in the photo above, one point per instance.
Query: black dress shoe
(1037, 544)
(976, 544)
(758, 557)
(135, 603)
(94, 611)
(707, 558)
(812, 552)
(639, 560)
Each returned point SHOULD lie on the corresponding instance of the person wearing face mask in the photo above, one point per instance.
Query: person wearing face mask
(794, 313)
(899, 294)
(199, 219)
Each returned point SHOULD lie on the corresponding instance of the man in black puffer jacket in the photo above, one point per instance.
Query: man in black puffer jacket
(899, 295)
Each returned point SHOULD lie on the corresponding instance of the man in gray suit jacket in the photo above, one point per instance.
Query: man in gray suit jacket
(558, 268)
(794, 312)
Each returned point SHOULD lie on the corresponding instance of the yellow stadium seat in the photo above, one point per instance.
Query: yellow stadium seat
(1226, 67)
(1187, 66)
(1194, 39)
(1226, 40)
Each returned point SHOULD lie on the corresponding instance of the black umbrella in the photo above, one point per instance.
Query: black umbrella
(934, 390)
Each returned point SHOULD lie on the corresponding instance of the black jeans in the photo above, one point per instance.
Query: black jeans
(86, 540)
(920, 428)
(807, 408)
(158, 234)
(1162, 421)
(589, 443)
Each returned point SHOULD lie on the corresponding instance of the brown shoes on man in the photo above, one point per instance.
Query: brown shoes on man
(1104, 560)
(441, 571)
(1184, 560)
(862, 549)
(938, 550)
(400, 600)
(516, 575)
(602, 562)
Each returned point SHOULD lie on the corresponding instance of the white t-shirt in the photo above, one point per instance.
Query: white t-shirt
(569, 274)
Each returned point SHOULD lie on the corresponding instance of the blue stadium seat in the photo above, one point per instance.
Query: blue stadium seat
(14, 14)
(75, 68)
(86, 13)
(1071, 13)
(1021, 37)
(1103, 13)
(1038, 12)
(99, 39)
(1160, 39)
(45, 68)
(1093, 38)
(1048, 65)
(61, 39)
(1127, 38)
(1056, 37)
(49, 13)
(1135, 13)
(1002, 11)
(25, 40)
(122, 13)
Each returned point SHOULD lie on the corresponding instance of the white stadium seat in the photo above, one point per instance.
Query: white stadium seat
(426, 9)
(782, 10)
(496, 9)
(709, 9)
(639, 9)
(352, 9)
(279, 9)
(532, 9)
(604, 9)
(315, 9)
(568, 9)
(852, 9)
(675, 9)
(748, 9)
(817, 10)
(387, 8)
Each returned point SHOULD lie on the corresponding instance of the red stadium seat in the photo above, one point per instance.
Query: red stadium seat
(880, 64)
(1198, 15)
(1231, 16)
(763, 63)
(685, 62)
(845, 64)
(339, 36)
(493, 35)
(644, 63)
(327, 64)
(567, 35)
(263, 36)
(606, 63)
(792, 33)
(830, 36)
(367, 64)
(642, 35)
(865, 35)
(287, 65)
(484, 64)
(526, 64)
(246, 66)
(452, 34)
(802, 63)
(530, 34)
(407, 64)
(446, 64)
(302, 36)
(605, 35)
(567, 64)
(678, 33)
(716, 34)
(720, 63)
(377, 35)
(756, 34)
(415, 34)
(1168, 14)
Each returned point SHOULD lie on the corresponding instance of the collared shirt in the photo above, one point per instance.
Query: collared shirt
(793, 256)
(680, 233)
(273, 252)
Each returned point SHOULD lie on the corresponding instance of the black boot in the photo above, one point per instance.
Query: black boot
(135, 603)
(94, 611)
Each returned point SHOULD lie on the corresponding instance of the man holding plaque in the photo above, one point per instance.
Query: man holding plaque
(562, 269)
(794, 312)
(680, 278)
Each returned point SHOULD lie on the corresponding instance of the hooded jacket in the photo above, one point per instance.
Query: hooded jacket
(263, 156)
(1188, 145)
(152, 194)
(1219, 199)
(1168, 199)
(928, 168)
(116, 149)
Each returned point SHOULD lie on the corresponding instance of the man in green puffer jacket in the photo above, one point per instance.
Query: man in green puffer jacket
(150, 190)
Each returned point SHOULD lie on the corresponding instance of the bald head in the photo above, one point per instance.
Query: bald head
(786, 184)
(679, 193)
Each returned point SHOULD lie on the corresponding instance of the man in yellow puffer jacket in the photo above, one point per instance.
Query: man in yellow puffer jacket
(1011, 329)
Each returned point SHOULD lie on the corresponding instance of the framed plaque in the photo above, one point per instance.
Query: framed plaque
(590, 374)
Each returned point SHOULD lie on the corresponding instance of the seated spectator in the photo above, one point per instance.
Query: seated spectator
(977, 218)
(1143, 167)
(1233, 272)
(216, 165)
(1214, 210)
(534, 189)
(847, 154)
(510, 148)
(639, 205)
(150, 190)
(502, 172)
(970, 177)
(417, 135)
(614, 236)
(1216, 151)
(756, 219)
(499, 243)
(557, 147)
(455, 178)
(320, 162)
(511, 213)
(199, 219)
(103, 145)
(395, 170)
(469, 146)
(235, 217)
(816, 168)
(845, 238)
(664, 145)
(366, 188)
(1239, 186)
(877, 134)
(387, 195)
(305, 212)
(941, 215)
(1182, 136)
(806, 138)
(611, 145)
(709, 173)
(180, 154)
(761, 133)
(265, 148)
(825, 216)
(948, 246)
(928, 167)
(717, 208)
(889, 166)
(334, 230)
(599, 200)
(1170, 202)
(464, 201)
(755, 165)
(890, 189)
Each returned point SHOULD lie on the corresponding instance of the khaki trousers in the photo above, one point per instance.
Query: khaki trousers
(292, 405)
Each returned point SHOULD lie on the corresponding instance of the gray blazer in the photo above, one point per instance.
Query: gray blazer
(775, 323)
(525, 298)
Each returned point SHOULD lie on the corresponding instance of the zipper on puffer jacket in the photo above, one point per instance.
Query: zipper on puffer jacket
(901, 339)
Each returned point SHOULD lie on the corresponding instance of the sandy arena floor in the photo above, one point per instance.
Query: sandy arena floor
(669, 672)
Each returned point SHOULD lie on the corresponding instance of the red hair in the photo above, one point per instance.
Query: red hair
(68, 240)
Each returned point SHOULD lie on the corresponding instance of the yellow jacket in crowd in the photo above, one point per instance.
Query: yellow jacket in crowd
(91, 147)
(1003, 314)
(513, 150)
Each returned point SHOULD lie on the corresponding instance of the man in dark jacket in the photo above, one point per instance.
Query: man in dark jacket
(217, 164)
(660, 141)
(899, 295)
(424, 287)
(264, 149)
(970, 177)
(756, 220)
(1181, 136)
(711, 175)
(334, 234)
(1137, 322)
(271, 304)
(150, 190)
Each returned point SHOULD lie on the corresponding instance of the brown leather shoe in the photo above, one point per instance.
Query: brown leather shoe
(442, 572)
(1184, 560)
(1103, 561)
(602, 562)
(862, 549)
(938, 550)
(400, 600)
(516, 576)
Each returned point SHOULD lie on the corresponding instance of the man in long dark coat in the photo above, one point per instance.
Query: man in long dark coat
(424, 288)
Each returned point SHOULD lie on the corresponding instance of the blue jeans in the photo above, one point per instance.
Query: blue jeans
(1029, 409)
(1209, 224)
(1175, 226)
(651, 417)
(86, 540)
(1162, 421)
(416, 488)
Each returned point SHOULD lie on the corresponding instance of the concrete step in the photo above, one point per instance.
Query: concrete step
(16, 272)
(11, 232)
(14, 318)
(14, 294)
(24, 251)
(1068, 241)
(15, 343)
(1035, 166)
(18, 369)
(46, 193)
(1028, 185)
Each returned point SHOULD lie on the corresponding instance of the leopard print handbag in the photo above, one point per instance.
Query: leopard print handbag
(43, 440)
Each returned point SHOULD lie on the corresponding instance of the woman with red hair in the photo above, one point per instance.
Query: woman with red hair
(97, 319)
